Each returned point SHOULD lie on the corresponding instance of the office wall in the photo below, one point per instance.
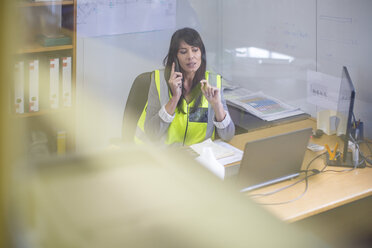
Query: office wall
(107, 66)
(270, 45)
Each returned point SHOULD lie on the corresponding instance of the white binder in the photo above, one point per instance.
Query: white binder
(19, 83)
(54, 83)
(66, 81)
(34, 85)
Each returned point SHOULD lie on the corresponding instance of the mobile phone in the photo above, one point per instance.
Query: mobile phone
(176, 65)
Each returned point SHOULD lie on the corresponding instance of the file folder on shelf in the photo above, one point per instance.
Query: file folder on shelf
(19, 78)
(54, 83)
(34, 85)
(66, 81)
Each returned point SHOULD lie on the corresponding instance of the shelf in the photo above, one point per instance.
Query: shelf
(37, 48)
(36, 18)
(36, 4)
(43, 112)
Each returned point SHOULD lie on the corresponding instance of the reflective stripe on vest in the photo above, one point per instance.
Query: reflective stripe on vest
(189, 128)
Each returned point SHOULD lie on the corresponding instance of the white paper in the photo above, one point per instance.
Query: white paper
(217, 150)
(217, 166)
(208, 160)
(323, 90)
(265, 107)
(238, 154)
(234, 92)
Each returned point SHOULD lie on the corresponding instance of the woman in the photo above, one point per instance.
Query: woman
(185, 103)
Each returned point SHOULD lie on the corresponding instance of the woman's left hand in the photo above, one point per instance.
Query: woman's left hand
(212, 94)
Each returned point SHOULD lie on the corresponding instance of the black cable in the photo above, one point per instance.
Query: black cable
(366, 158)
(367, 144)
(315, 172)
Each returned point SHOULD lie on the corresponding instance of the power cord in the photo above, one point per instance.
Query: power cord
(356, 143)
(367, 158)
(315, 172)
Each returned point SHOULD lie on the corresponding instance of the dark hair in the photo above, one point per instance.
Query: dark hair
(192, 38)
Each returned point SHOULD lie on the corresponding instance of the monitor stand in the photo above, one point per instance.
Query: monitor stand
(339, 161)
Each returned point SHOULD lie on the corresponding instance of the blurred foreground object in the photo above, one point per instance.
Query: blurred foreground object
(138, 196)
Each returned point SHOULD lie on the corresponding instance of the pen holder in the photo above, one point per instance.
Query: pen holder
(357, 131)
(338, 161)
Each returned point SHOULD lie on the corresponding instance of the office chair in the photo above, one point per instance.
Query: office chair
(136, 101)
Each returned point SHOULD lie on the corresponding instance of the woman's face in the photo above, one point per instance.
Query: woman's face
(189, 57)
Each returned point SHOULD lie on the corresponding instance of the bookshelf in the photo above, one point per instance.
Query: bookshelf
(48, 33)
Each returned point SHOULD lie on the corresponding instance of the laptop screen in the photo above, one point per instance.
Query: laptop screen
(274, 158)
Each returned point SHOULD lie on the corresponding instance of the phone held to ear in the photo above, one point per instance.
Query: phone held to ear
(177, 67)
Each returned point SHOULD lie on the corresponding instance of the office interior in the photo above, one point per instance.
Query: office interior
(262, 46)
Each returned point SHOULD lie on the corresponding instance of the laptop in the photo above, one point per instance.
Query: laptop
(273, 159)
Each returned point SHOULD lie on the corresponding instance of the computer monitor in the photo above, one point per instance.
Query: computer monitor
(344, 123)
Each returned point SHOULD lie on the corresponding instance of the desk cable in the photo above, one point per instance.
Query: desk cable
(361, 154)
(315, 172)
(367, 158)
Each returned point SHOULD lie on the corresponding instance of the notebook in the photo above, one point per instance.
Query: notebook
(273, 159)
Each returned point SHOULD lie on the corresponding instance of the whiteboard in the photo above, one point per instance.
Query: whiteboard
(112, 17)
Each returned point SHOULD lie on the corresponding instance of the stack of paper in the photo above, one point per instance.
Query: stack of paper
(263, 106)
(214, 155)
(218, 151)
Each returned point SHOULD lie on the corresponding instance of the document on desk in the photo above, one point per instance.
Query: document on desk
(263, 106)
(215, 154)
(217, 150)
(236, 157)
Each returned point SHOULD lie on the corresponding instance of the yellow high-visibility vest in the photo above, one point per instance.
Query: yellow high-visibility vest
(186, 128)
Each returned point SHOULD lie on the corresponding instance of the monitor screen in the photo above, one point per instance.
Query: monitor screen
(345, 108)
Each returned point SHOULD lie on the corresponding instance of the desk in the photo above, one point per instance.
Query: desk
(326, 190)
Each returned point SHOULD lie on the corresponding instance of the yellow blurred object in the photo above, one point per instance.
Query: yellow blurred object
(139, 196)
(61, 142)
(332, 154)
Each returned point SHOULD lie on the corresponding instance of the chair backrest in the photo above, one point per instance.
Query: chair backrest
(136, 101)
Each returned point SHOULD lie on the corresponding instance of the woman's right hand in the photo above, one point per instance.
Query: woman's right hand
(175, 82)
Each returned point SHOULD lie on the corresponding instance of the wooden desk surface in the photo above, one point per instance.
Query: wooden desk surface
(325, 191)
